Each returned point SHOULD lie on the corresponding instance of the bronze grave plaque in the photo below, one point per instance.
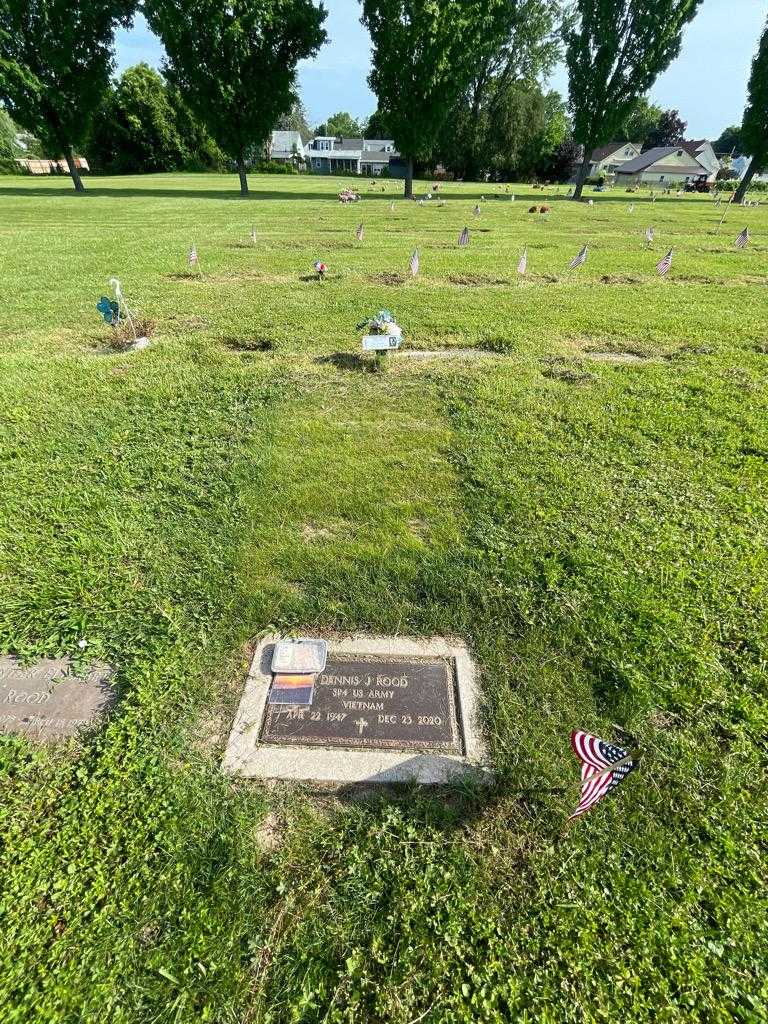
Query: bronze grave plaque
(374, 703)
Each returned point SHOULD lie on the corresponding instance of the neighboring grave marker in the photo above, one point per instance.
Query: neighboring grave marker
(45, 701)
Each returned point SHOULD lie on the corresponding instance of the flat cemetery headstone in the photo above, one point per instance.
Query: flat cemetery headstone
(45, 701)
(384, 709)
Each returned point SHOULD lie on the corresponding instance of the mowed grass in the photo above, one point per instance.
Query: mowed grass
(585, 505)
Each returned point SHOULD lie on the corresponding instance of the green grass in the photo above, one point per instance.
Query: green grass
(596, 531)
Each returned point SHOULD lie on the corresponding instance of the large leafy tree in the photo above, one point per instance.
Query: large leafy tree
(615, 50)
(425, 54)
(143, 127)
(729, 142)
(754, 128)
(342, 124)
(668, 130)
(8, 146)
(640, 123)
(56, 57)
(234, 63)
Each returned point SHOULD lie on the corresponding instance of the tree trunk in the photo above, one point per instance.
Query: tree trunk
(581, 177)
(77, 181)
(745, 182)
(409, 177)
(243, 177)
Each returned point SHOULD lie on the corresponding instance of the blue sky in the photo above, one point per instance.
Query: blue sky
(707, 83)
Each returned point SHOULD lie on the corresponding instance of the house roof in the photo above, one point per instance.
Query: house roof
(377, 155)
(602, 152)
(693, 146)
(351, 144)
(655, 156)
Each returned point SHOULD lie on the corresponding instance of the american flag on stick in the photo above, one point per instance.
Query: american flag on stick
(662, 267)
(192, 258)
(522, 266)
(415, 263)
(477, 210)
(603, 767)
(253, 235)
(578, 259)
(649, 235)
(743, 240)
(464, 238)
(359, 233)
(631, 207)
(392, 207)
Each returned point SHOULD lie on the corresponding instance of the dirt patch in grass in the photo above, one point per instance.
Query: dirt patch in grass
(259, 343)
(476, 280)
(615, 357)
(314, 279)
(620, 279)
(570, 372)
(543, 278)
(311, 532)
(392, 280)
(694, 279)
(445, 353)
(268, 834)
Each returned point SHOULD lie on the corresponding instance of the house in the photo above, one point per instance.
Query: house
(664, 166)
(740, 165)
(701, 150)
(286, 147)
(608, 159)
(329, 154)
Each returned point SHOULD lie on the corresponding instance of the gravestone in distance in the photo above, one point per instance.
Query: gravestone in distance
(385, 709)
(45, 701)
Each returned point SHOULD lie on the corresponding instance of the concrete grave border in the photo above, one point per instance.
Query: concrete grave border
(246, 757)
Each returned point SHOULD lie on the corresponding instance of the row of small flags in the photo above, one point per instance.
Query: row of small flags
(662, 267)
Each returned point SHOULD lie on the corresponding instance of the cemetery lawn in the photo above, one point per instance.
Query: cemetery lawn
(584, 503)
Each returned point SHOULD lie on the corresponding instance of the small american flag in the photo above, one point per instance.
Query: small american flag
(743, 240)
(603, 767)
(464, 238)
(391, 207)
(192, 258)
(578, 259)
(649, 235)
(359, 233)
(415, 263)
(253, 235)
(631, 207)
(662, 267)
(476, 210)
(522, 266)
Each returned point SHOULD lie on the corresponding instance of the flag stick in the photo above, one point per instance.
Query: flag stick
(632, 756)
(725, 211)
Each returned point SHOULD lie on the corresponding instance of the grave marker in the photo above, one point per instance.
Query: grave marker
(45, 701)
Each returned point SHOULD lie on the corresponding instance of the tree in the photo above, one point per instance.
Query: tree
(234, 63)
(295, 120)
(9, 149)
(135, 131)
(425, 54)
(377, 126)
(615, 50)
(669, 130)
(754, 127)
(640, 123)
(562, 163)
(342, 125)
(56, 57)
(730, 142)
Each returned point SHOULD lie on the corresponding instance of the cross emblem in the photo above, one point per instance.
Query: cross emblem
(361, 724)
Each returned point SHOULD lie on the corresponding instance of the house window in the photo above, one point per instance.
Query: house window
(661, 177)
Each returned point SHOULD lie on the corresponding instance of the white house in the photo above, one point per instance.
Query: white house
(663, 166)
(286, 147)
(328, 154)
(608, 159)
(701, 150)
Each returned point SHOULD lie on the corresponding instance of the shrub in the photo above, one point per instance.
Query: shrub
(273, 167)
